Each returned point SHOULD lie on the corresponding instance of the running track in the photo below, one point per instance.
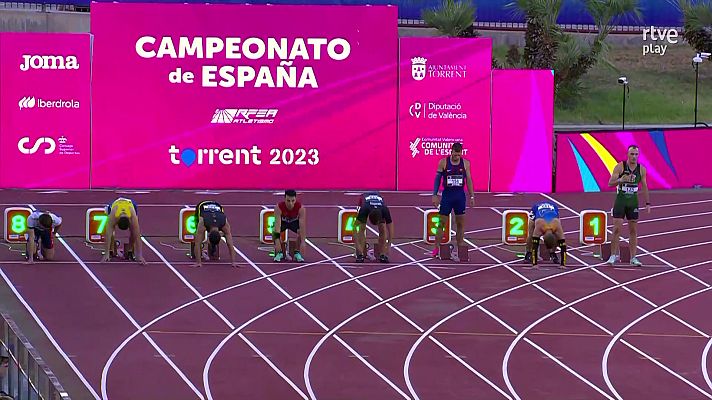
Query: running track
(416, 328)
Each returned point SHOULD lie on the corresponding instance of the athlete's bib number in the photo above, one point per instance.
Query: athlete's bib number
(630, 189)
(211, 207)
(455, 180)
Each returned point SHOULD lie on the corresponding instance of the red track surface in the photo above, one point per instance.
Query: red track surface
(332, 329)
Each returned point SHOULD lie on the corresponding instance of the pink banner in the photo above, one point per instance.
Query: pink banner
(522, 130)
(675, 158)
(444, 98)
(44, 110)
(244, 96)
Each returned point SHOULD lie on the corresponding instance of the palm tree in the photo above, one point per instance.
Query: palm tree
(452, 18)
(543, 35)
(547, 47)
(698, 24)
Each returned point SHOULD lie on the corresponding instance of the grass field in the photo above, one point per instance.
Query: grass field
(662, 89)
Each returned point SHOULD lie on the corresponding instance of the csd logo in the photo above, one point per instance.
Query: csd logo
(22, 145)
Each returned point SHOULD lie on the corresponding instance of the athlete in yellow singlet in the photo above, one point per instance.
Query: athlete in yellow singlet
(122, 213)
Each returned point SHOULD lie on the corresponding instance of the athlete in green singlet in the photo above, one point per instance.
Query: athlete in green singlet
(628, 176)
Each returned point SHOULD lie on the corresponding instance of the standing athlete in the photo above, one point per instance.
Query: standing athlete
(372, 208)
(453, 171)
(627, 176)
(289, 214)
(210, 217)
(122, 214)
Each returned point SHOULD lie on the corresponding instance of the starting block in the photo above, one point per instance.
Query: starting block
(290, 248)
(463, 253)
(544, 251)
(125, 252)
(374, 250)
(213, 253)
(623, 252)
(377, 250)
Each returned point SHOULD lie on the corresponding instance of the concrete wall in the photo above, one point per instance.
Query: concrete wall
(39, 21)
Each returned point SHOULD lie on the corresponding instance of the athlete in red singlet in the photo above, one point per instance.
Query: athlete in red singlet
(289, 214)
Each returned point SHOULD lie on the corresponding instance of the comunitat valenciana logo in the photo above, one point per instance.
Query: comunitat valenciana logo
(434, 146)
(35, 102)
(31, 61)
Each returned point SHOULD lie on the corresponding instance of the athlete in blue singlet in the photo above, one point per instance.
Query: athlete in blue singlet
(453, 172)
(544, 217)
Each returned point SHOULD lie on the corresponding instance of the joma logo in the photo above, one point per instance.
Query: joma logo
(48, 62)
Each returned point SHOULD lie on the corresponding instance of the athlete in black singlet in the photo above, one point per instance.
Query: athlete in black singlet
(210, 217)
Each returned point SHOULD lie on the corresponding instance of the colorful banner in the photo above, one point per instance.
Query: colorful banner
(444, 98)
(675, 158)
(522, 130)
(244, 96)
(44, 110)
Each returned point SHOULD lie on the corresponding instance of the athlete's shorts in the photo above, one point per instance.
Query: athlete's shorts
(291, 225)
(364, 211)
(45, 237)
(108, 207)
(455, 200)
(550, 225)
(213, 219)
(627, 209)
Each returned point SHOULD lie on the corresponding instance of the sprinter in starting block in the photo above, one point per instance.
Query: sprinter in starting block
(42, 225)
(122, 214)
(211, 217)
(545, 217)
(550, 242)
(373, 208)
(289, 214)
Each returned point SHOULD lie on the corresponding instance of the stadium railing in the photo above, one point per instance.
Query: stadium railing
(23, 373)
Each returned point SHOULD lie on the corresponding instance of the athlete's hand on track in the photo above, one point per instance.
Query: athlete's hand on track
(105, 258)
(234, 264)
(436, 201)
(647, 208)
(195, 265)
(141, 261)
